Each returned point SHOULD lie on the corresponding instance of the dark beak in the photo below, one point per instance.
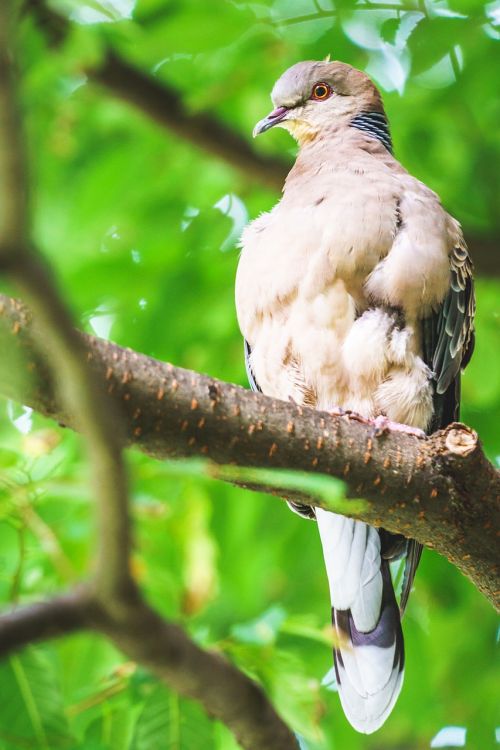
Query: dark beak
(273, 118)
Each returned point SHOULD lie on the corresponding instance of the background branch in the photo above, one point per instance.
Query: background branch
(441, 490)
(114, 604)
(164, 105)
(36, 622)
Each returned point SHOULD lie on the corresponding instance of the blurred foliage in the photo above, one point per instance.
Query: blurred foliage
(141, 228)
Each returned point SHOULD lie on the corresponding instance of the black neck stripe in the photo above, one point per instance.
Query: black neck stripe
(376, 125)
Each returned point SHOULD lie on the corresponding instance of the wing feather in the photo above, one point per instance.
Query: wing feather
(448, 343)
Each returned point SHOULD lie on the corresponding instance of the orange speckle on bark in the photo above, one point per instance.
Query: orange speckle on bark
(160, 393)
(272, 450)
(251, 429)
(174, 385)
(109, 373)
(434, 493)
(191, 441)
(201, 423)
(16, 328)
(387, 462)
(315, 461)
(194, 404)
(126, 396)
(138, 431)
(377, 480)
(320, 443)
(290, 428)
(184, 425)
(346, 469)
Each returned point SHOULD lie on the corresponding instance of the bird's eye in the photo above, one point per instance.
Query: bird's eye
(321, 91)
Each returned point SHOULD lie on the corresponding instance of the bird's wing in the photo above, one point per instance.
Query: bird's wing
(448, 337)
(300, 508)
(448, 343)
(248, 367)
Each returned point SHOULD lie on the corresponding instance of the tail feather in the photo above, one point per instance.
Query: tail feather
(370, 666)
(369, 650)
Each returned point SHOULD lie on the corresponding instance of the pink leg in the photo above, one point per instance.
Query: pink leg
(382, 424)
(338, 411)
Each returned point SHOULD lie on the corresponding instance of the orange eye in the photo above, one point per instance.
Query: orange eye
(321, 91)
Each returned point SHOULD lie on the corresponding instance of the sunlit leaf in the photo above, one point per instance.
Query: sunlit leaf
(32, 712)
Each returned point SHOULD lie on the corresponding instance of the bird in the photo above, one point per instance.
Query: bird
(354, 293)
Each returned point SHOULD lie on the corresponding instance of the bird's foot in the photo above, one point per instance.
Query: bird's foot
(338, 411)
(382, 425)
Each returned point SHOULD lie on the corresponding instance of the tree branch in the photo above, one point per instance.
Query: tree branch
(36, 622)
(441, 490)
(164, 648)
(114, 604)
(164, 105)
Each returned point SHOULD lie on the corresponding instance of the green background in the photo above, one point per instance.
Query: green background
(141, 228)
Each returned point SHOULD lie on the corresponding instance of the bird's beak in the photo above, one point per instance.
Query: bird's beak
(273, 118)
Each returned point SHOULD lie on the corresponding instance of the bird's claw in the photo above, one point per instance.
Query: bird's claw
(382, 424)
(338, 411)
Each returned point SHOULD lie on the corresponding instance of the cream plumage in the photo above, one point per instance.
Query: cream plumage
(355, 291)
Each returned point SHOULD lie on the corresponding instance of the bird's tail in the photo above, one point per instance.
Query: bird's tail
(369, 650)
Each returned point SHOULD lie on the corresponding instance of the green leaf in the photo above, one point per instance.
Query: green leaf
(263, 630)
(168, 722)
(329, 491)
(32, 713)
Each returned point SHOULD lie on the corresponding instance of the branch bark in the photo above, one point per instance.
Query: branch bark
(164, 105)
(441, 490)
(113, 603)
(225, 693)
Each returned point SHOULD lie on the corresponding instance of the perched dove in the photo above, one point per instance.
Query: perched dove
(355, 291)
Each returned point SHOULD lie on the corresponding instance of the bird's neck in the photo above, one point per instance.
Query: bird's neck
(376, 125)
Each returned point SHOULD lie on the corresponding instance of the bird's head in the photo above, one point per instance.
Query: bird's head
(313, 97)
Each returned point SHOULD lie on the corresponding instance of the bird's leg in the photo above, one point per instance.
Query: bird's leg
(382, 424)
(338, 411)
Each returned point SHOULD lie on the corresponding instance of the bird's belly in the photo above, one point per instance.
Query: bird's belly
(318, 353)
